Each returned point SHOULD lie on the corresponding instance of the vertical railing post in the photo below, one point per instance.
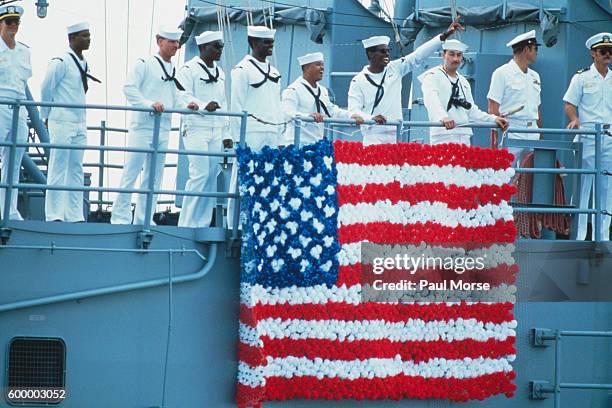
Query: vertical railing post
(398, 132)
(11, 164)
(557, 384)
(101, 163)
(152, 172)
(297, 132)
(599, 198)
(235, 221)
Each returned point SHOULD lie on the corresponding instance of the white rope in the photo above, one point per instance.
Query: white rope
(151, 30)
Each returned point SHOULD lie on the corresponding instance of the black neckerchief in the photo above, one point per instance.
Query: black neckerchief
(211, 78)
(318, 102)
(265, 74)
(380, 89)
(167, 76)
(84, 74)
(454, 89)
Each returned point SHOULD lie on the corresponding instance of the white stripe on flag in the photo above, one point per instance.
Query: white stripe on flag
(410, 330)
(409, 175)
(289, 367)
(406, 213)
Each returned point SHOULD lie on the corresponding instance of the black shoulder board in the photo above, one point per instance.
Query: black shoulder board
(237, 66)
(140, 60)
(290, 87)
(580, 71)
(25, 45)
(57, 58)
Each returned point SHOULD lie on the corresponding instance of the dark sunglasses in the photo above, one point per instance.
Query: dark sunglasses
(605, 50)
(12, 20)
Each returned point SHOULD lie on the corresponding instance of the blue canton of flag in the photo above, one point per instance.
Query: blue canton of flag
(289, 216)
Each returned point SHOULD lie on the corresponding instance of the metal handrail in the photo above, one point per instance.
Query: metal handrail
(125, 287)
(540, 388)
(150, 191)
(399, 125)
(597, 171)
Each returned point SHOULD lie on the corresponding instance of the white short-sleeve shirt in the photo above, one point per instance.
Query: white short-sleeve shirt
(591, 93)
(511, 88)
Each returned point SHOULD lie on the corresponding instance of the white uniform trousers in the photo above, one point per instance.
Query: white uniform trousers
(378, 134)
(256, 141)
(6, 120)
(450, 138)
(520, 152)
(65, 169)
(203, 171)
(134, 164)
(588, 162)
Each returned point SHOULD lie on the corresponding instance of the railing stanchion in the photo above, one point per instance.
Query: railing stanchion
(599, 198)
(101, 163)
(152, 172)
(297, 132)
(398, 132)
(11, 164)
(236, 221)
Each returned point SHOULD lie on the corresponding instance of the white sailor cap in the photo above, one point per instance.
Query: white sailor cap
(208, 37)
(454, 45)
(376, 40)
(529, 37)
(599, 40)
(308, 58)
(75, 28)
(10, 11)
(260, 32)
(169, 33)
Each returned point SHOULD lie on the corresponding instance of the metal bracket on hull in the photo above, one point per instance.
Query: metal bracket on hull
(144, 238)
(539, 389)
(542, 337)
(5, 235)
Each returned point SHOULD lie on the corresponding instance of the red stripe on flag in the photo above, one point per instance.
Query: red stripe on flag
(454, 196)
(471, 157)
(430, 232)
(251, 355)
(417, 351)
(390, 312)
(395, 387)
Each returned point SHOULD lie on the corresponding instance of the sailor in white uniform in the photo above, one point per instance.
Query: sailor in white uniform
(15, 69)
(588, 101)
(256, 88)
(204, 83)
(515, 85)
(67, 81)
(447, 96)
(150, 83)
(306, 97)
(375, 93)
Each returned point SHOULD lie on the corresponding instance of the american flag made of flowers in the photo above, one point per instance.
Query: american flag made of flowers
(306, 330)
